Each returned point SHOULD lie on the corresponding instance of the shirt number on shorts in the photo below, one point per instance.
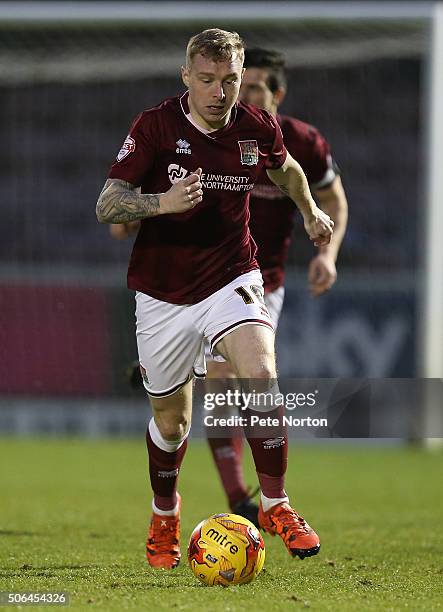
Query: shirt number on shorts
(258, 292)
(247, 297)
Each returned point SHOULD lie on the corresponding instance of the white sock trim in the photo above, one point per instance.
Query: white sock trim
(169, 446)
(172, 512)
(269, 502)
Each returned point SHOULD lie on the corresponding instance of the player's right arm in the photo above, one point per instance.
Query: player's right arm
(119, 202)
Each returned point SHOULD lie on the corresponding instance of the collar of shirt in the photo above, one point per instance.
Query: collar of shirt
(211, 133)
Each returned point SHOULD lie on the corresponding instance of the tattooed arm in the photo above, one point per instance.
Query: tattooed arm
(120, 203)
(291, 179)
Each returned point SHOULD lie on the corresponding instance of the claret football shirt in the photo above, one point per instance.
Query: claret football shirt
(272, 212)
(183, 258)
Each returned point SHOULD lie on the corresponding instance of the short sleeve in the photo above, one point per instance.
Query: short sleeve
(278, 153)
(137, 153)
(320, 168)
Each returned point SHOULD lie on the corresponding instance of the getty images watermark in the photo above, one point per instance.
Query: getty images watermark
(260, 403)
(349, 408)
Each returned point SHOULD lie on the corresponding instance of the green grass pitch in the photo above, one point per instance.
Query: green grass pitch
(73, 517)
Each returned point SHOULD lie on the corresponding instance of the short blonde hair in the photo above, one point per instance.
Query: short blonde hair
(218, 45)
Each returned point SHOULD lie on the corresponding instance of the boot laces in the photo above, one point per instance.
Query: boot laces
(291, 521)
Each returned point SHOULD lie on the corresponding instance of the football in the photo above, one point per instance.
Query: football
(226, 549)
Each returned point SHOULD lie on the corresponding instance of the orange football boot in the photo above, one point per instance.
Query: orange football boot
(299, 538)
(163, 542)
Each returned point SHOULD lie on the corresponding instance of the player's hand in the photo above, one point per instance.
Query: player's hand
(183, 195)
(322, 274)
(319, 227)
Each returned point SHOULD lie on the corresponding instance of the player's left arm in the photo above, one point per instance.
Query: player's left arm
(322, 272)
(291, 179)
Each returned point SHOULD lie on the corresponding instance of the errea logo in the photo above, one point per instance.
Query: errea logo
(183, 146)
(168, 473)
(273, 443)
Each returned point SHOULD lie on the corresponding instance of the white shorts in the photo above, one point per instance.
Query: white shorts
(171, 337)
(274, 304)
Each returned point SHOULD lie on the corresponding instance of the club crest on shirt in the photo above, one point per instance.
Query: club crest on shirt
(127, 147)
(248, 152)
